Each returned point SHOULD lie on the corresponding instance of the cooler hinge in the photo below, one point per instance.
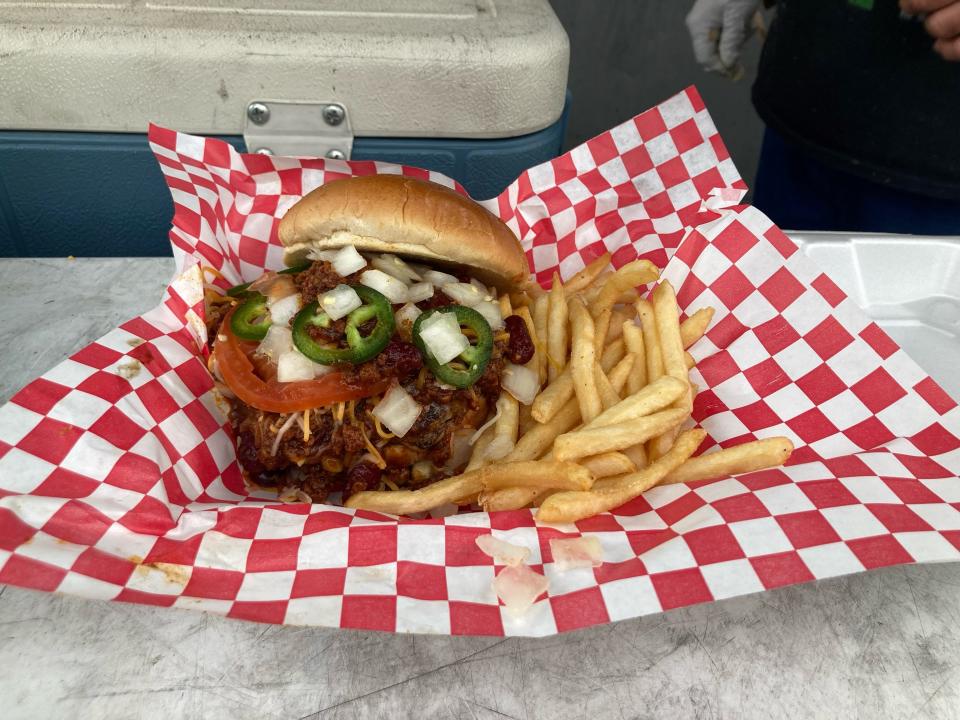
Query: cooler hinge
(298, 129)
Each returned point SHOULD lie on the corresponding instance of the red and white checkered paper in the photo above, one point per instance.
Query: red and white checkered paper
(128, 489)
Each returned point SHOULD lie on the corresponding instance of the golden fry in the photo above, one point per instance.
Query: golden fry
(608, 396)
(601, 325)
(621, 372)
(608, 464)
(510, 498)
(617, 318)
(538, 440)
(693, 328)
(478, 457)
(688, 360)
(582, 361)
(638, 455)
(505, 428)
(585, 277)
(651, 340)
(593, 441)
(527, 422)
(628, 277)
(541, 311)
(756, 455)
(506, 307)
(667, 317)
(652, 398)
(557, 329)
(633, 339)
(559, 391)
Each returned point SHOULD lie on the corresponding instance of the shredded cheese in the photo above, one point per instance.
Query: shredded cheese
(350, 413)
(377, 457)
(390, 484)
(501, 336)
(306, 425)
(338, 413)
(422, 377)
(380, 431)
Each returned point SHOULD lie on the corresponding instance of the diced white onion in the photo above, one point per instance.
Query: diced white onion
(398, 411)
(283, 310)
(442, 337)
(281, 432)
(463, 293)
(518, 586)
(340, 301)
(278, 340)
(392, 265)
(345, 261)
(422, 470)
(502, 552)
(391, 288)
(406, 317)
(419, 292)
(491, 313)
(293, 366)
(280, 287)
(581, 552)
(487, 293)
(488, 423)
(460, 449)
(438, 278)
(521, 382)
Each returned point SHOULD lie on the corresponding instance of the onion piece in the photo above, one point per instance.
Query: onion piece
(283, 310)
(422, 470)
(480, 430)
(519, 586)
(419, 292)
(521, 382)
(463, 293)
(278, 340)
(491, 313)
(405, 318)
(398, 411)
(580, 552)
(502, 552)
(460, 449)
(345, 261)
(391, 288)
(442, 337)
(487, 293)
(293, 366)
(438, 278)
(392, 265)
(281, 432)
(340, 301)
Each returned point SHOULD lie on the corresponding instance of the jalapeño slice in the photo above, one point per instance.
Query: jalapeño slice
(251, 320)
(471, 363)
(360, 348)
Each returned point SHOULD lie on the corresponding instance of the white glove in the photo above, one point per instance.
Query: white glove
(719, 29)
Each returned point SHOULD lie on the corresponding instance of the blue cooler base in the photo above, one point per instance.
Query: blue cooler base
(97, 194)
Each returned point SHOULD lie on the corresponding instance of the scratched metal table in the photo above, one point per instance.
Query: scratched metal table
(885, 644)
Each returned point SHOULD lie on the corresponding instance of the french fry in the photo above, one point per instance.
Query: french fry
(527, 422)
(581, 443)
(557, 338)
(633, 339)
(628, 277)
(608, 396)
(583, 279)
(540, 437)
(621, 373)
(541, 310)
(608, 464)
(556, 394)
(652, 398)
(756, 455)
(478, 457)
(638, 455)
(506, 307)
(617, 319)
(651, 341)
(693, 328)
(601, 325)
(688, 360)
(505, 428)
(563, 507)
(539, 473)
(582, 360)
(510, 498)
(520, 299)
(667, 317)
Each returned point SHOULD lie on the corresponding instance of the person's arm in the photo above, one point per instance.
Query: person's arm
(942, 22)
(719, 29)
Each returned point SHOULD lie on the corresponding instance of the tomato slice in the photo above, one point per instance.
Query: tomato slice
(233, 358)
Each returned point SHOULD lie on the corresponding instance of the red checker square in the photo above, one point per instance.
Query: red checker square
(821, 384)
(807, 529)
(828, 290)
(214, 583)
(50, 440)
(134, 472)
(563, 169)
(369, 612)
(952, 536)
(141, 328)
(766, 377)
(200, 459)
(372, 545)
(784, 245)
(157, 400)
(585, 211)
(145, 598)
(673, 172)
(847, 466)
(468, 618)
(14, 532)
(881, 343)
(150, 358)
(934, 395)
(461, 546)
(318, 581)
(239, 522)
(719, 148)
(643, 540)
(696, 102)
(761, 479)
(812, 425)
(681, 507)
(707, 181)
(290, 181)
(195, 376)
(201, 418)
(106, 386)
(869, 433)
(705, 404)
(263, 611)
(650, 124)
(679, 588)
(740, 507)
(713, 544)
(827, 493)
(117, 429)
(555, 199)
(686, 135)
(594, 181)
(325, 520)
(602, 148)
(781, 289)
(65, 483)
(29, 573)
(96, 356)
(178, 552)
(732, 287)
(78, 523)
(622, 255)
(898, 518)
(103, 566)
(923, 467)
(878, 390)
(257, 164)
(724, 332)
(935, 440)
(691, 249)
(610, 571)
(40, 395)
(911, 492)
(776, 334)
(253, 251)
(606, 224)
(828, 338)
(781, 569)
(566, 246)
(879, 551)
(718, 367)
(510, 519)
(757, 416)
(607, 522)
(421, 581)
(734, 241)
(658, 206)
(149, 516)
(581, 608)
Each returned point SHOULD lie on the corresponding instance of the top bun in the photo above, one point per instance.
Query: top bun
(407, 217)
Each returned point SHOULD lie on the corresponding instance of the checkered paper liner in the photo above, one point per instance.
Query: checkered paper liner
(118, 478)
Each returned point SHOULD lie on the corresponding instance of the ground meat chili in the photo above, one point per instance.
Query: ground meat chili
(318, 278)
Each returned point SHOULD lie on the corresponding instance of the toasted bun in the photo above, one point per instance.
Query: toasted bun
(411, 218)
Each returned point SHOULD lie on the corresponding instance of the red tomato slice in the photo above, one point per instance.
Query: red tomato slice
(233, 358)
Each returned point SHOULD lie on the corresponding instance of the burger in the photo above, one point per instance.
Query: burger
(375, 358)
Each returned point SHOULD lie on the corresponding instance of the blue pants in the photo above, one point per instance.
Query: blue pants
(799, 192)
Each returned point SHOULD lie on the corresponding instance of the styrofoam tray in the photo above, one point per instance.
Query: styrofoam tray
(909, 285)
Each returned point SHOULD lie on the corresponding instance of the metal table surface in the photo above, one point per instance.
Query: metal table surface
(884, 644)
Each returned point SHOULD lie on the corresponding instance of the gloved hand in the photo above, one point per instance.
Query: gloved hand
(719, 29)
(942, 22)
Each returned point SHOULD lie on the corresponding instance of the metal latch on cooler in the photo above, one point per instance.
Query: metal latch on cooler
(319, 129)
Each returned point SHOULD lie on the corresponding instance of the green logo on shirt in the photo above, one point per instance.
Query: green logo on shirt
(865, 4)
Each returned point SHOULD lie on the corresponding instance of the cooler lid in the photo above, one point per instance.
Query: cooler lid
(403, 68)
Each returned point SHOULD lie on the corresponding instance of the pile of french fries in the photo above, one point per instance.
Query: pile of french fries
(609, 422)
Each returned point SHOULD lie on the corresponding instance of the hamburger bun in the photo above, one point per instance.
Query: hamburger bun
(412, 218)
